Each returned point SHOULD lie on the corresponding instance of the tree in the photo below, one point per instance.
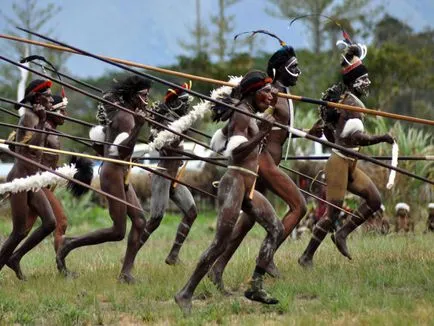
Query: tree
(351, 10)
(200, 34)
(27, 14)
(225, 27)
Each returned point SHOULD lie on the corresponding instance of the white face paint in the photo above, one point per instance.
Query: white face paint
(143, 96)
(361, 85)
(292, 68)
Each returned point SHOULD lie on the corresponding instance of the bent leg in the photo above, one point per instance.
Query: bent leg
(244, 224)
(61, 219)
(20, 211)
(114, 185)
(232, 186)
(41, 206)
(337, 179)
(160, 188)
(138, 222)
(362, 186)
(183, 198)
(261, 209)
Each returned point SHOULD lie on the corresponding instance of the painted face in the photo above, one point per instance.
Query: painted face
(289, 72)
(264, 97)
(143, 97)
(361, 85)
(60, 109)
(45, 99)
(180, 102)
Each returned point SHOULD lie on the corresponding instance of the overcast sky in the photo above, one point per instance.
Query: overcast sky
(148, 31)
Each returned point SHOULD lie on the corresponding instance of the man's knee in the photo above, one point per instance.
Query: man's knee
(118, 233)
(20, 233)
(49, 224)
(154, 222)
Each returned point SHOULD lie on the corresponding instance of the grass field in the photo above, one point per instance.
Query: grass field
(389, 282)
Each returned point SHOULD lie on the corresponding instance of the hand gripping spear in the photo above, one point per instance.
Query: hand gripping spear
(219, 82)
(292, 130)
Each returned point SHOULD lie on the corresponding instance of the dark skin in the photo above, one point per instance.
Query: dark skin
(25, 203)
(237, 185)
(51, 160)
(112, 180)
(271, 178)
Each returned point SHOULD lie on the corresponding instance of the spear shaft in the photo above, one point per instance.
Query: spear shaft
(220, 82)
(43, 167)
(59, 151)
(292, 130)
(179, 134)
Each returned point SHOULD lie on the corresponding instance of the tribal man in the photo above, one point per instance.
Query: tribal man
(122, 129)
(23, 204)
(283, 68)
(235, 191)
(403, 220)
(176, 104)
(342, 173)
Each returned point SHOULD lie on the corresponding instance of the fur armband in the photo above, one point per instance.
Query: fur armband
(233, 143)
(97, 133)
(113, 150)
(218, 141)
(352, 126)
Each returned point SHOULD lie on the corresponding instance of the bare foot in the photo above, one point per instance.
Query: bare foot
(341, 244)
(184, 303)
(272, 270)
(305, 262)
(127, 278)
(14, 264)
(62, 252)
(173, 260)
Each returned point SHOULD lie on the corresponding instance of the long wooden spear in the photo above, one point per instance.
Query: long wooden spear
(84, 123)
(59, 151)
(179, 134)
(43, 167)
(223, 83)
(294, 131)
(60, 134)
(289, 158)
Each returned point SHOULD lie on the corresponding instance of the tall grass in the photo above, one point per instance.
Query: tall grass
(389, 282)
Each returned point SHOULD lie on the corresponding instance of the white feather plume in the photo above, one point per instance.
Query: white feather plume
(40, 180)
(198, 112)
(394, 163)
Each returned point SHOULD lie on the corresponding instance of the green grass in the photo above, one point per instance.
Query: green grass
(389, 282)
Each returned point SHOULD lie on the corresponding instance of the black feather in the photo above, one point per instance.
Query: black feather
(84, 174)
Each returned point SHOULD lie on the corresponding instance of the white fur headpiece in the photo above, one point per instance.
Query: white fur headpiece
(402, 206)
(39, 180)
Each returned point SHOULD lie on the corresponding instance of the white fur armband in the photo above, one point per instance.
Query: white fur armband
(394, 163)
(39, 180)
(97, 133)
(233, 143)
(352, 126)
(218, 141)
(113, 150)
